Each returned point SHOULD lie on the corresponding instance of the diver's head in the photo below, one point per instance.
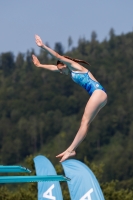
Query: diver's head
(62, 67)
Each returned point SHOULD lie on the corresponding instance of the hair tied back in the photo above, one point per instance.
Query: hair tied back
(77, 60)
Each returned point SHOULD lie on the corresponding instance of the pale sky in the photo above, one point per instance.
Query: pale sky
(56, 20)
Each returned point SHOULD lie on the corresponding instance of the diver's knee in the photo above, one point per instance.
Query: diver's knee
(85, 121)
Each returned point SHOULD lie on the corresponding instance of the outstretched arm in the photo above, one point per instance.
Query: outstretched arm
(38, 64)
(70, 63)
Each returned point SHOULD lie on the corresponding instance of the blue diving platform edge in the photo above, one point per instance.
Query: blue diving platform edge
(24, 179)
(13, 168)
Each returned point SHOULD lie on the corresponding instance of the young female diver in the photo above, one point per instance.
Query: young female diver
(83, 77)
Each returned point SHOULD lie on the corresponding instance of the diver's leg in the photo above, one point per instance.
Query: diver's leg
(97, 101)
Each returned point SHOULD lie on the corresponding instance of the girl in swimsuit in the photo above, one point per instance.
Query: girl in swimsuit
(83, 77)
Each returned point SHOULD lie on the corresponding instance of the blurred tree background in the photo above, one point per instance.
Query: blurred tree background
(40, 113)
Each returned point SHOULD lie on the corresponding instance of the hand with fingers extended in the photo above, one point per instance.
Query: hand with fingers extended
(38, 40)
(35, 61)
(65, 155)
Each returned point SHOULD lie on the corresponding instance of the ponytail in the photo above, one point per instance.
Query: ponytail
(77, 60)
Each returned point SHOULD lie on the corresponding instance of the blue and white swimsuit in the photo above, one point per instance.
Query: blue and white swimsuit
(84, 80)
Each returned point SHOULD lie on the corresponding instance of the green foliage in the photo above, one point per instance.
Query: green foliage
(112, 192)
(40, 111)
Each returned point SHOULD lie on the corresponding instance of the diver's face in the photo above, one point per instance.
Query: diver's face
(63, 69)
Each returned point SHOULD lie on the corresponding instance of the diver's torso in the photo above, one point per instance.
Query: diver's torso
(87, 81)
